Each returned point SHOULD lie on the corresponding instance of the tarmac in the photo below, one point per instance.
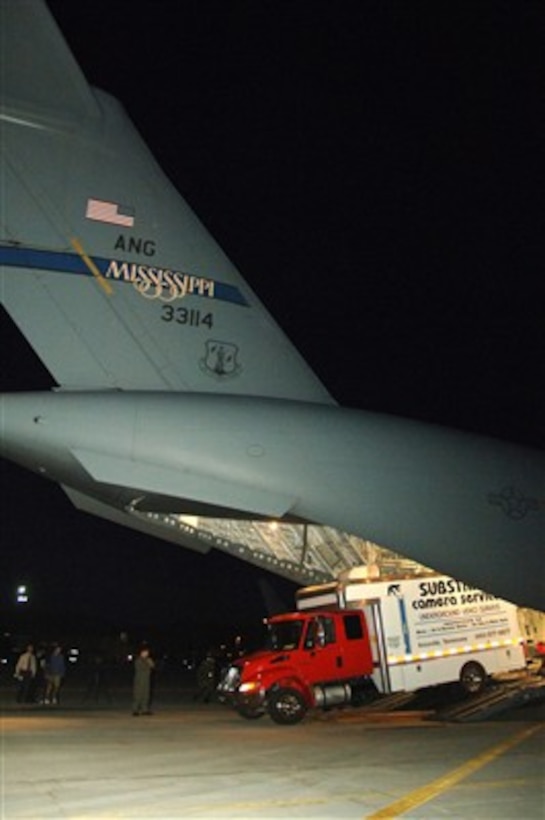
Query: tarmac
(93, 759)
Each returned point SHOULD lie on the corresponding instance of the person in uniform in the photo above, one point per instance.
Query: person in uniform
(143, 668)
(206, 678)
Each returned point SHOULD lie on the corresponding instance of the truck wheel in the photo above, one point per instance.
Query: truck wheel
(472, 677)
(287, 706)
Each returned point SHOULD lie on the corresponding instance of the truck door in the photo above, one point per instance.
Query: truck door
(321, 658)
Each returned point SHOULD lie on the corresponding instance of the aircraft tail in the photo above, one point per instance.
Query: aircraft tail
(105, 269)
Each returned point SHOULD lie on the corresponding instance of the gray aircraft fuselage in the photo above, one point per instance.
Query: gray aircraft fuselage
(454, 501)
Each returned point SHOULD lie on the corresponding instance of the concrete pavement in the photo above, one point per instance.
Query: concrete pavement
(192, 760)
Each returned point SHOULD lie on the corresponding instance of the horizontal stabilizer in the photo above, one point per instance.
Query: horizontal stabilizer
(161, 480)
(91, 505)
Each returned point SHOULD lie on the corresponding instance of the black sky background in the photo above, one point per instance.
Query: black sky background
(375, 171)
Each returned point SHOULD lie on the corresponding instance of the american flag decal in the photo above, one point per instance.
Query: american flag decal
(101, 211)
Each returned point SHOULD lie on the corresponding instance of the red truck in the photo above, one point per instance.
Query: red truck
(350, 637)
(312, 659)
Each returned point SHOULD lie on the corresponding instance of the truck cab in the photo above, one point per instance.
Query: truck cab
(311, 659)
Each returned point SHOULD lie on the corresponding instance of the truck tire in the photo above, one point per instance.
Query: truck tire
(287, 706)
(472, 678)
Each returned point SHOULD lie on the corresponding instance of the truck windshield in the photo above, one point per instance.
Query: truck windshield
(285, 635)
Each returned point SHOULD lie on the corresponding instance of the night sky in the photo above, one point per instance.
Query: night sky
(375, 171)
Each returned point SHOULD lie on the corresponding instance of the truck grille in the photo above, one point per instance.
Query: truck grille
(230, 680)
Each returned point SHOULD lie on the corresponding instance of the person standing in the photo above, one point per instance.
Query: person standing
(55, 671)
(98, 681)
(143, 668)
(206, 678)
(25, 672)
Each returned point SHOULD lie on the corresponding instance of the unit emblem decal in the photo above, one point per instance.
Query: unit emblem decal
(220, 359)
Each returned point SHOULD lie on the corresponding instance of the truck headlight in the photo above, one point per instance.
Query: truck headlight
(248, 687)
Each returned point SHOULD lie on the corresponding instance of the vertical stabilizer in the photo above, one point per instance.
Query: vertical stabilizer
(105, 268)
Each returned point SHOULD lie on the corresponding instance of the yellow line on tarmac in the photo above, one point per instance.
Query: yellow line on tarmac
(447, 781)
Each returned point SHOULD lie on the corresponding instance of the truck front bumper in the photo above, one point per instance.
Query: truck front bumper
(247, 698)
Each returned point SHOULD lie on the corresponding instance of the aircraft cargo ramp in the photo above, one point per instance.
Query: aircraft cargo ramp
(495, 701)
(447, 703)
